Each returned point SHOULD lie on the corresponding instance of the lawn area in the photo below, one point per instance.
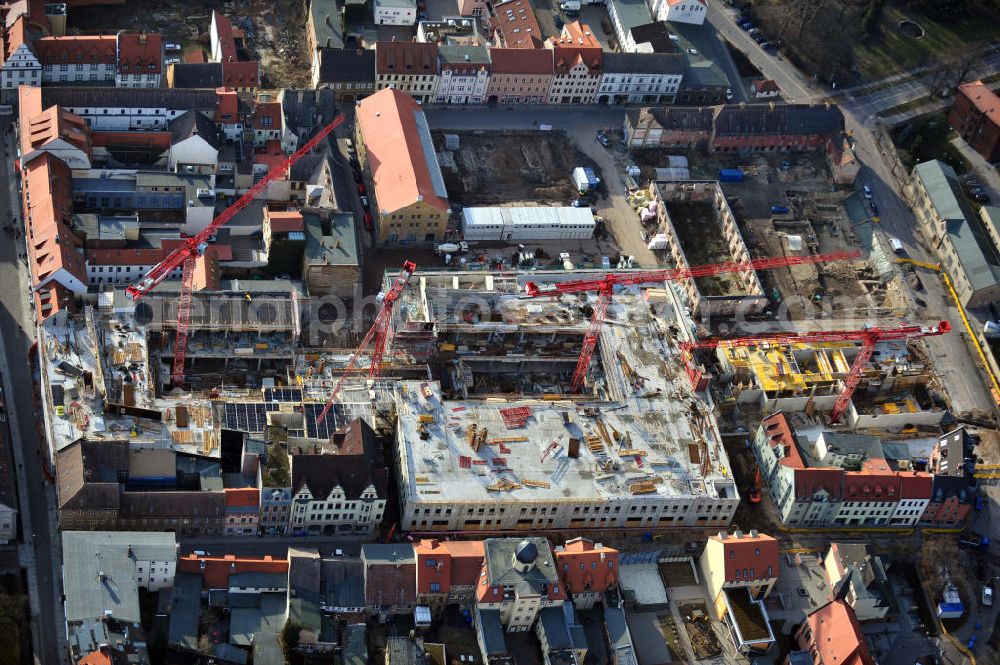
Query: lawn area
(926, 139)
(891, 51)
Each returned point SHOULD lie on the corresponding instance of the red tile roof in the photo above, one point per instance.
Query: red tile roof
(582, 566)
(412, 58)
(237, 74)
(267, 111)
(456, 563)
(765, 85)
(836, 636)
(227, 107)
(215, 574)
(195, 57)
(284, 221)
(140, 53)
(752, 554)
(227, 42)
(55, 123)
(915, 485)
(779, 431)
(810, 481)
(86, 49)
(515, 25)
(394, 152)
(984, 99)
(521, 61)
(248, 497)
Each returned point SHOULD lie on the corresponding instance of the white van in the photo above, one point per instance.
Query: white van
(897, 246)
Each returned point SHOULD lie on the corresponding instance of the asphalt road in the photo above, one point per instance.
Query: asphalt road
(39, 555)
(955, 361)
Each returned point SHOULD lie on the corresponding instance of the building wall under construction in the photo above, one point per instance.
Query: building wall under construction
(747, 296)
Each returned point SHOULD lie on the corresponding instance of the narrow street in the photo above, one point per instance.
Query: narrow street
(40, 554)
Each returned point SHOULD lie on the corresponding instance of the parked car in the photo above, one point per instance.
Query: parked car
(579, 203)
(368, 220)
(364, 202)
(559, 22)
(868, 192)
(988, 595)
(769, 46)
(357, 178)
(981, 197)
(361, 189)
(759, 38)
(693, 51)
(171, 46)
(172, 61)
(602, 138)
(874, 207)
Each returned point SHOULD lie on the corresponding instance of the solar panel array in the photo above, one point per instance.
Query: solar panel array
(248, 417)
(282, 394)
(336, 418)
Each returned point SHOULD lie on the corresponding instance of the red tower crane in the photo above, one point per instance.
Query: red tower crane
(184, 257)
(868, 337)
(381, 331)
(605, 285)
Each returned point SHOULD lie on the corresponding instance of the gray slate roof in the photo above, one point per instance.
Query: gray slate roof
(774, 119)
(326, 23)
(642, 63)
(95, 98)
(191, 124)
(500, 570)
(99, 571)
(337, 66)
(185, 609)
(340, 247)
(197, 75)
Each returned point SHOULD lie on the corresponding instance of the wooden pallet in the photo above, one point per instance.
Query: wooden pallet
(536, 483)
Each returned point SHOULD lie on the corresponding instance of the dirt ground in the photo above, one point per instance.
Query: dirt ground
(699, 629)
(510, 167)
(276, 35)
(703, 243)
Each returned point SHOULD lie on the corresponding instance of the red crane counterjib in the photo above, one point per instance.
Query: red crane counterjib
(533, 290)
(195, 245)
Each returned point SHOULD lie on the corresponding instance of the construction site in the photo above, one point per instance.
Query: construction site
(517, 168)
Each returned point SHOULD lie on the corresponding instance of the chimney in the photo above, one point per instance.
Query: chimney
(142, 39)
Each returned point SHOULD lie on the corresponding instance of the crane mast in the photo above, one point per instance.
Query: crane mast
(186, 256)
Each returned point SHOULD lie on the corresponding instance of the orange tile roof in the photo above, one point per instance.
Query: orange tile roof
(29, 106)
(140, 53)
(207, 274)
(582, 566)
(47, 201)
(98, 657)
(576, 44)
(17, 34)
(243, 497)
(394, 153)
(215, 574)
(836, 636)
(745, 552)
(984, 99)
(52, 299)
(195, 57)
(457, 563)
(55, 123)
(516, 26)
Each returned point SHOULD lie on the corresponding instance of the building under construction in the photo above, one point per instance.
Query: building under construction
(699, 228)
(476, 380)
(495, 443)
